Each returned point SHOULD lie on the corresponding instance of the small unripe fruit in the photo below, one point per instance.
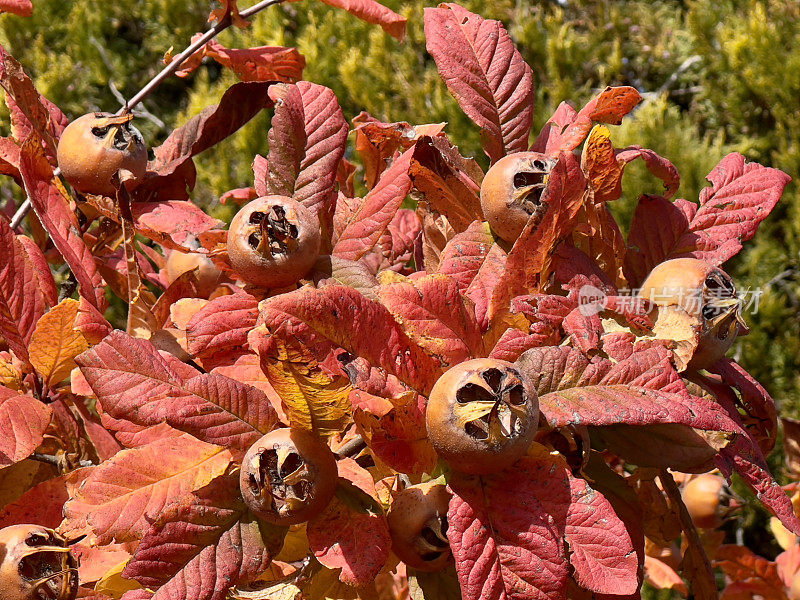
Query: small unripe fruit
(36, 564)
(92, 148)
(273, 241)
(482, 415)
(288, 476)
(705, 292)
(511, 192)
(418, 524)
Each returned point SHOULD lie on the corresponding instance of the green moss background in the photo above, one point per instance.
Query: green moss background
(717, 76)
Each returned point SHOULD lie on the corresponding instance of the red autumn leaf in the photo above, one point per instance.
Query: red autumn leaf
(183, 529)
(306, 142)
(134, 382)
(744, 457)
(247, 369)
(260, 173)
(642, 390)
(485, 72)
(340, 271)
(173, 159)
(91, 323)
(351, 533)
(30, 111)
(22, 8)
(375, 13)
(395, 248)
(9, 158)
(741, 196)
(464, 255)
(434, 315)
(482, 287)
(229, 8)
(50, 201)
(530, 260)
(760, 417)
(43, 504)
(657, 165)
(24, 421)
(240, 555)
(377, 142)
(601, 550)
(22, 302)
(222, 325)
(567, 129)
(240, 196)
(103, 441)
(448, 182)
(122, 496)
(173, 224)
(336, 317)
(394, 429)
(366, 226)
(264, 63)
(507, 532)
(743, 567)
(44, 277)
(604, 166)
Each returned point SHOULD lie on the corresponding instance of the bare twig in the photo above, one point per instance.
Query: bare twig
(161, 76)
(352, 447)
(178, 60)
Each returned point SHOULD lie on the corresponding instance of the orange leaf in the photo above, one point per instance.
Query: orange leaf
(55, 342)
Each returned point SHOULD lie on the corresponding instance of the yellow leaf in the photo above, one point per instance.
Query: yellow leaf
(113, 584)
(55, 342)
(10, 376)
(312, 400)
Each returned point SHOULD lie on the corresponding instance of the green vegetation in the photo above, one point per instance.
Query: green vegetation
(717, 76)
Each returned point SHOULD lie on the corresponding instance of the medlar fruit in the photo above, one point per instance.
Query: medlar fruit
(511, 192)
(482, 415)
(208, 274)
(36, 564)
(418, 525)
(94, 147)
(288, 476)
(273, 241)
(708, 500)
(705, 292)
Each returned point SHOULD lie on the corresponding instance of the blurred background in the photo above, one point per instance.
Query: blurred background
(717, 76)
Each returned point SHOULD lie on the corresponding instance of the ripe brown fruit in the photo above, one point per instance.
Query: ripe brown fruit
(511, 192)
(482, 415)
(36, 564)
(708, 500)
(705, 292)
(273, 241)
(94, 147)
(208, 274)
(288, 476)
(418, 524)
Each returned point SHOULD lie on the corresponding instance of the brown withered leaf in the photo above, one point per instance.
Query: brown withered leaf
(448, 182)
(377, 142)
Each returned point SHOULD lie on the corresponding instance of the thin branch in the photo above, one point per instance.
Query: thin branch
(352, 447)
(161, 76)
(178, 60)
